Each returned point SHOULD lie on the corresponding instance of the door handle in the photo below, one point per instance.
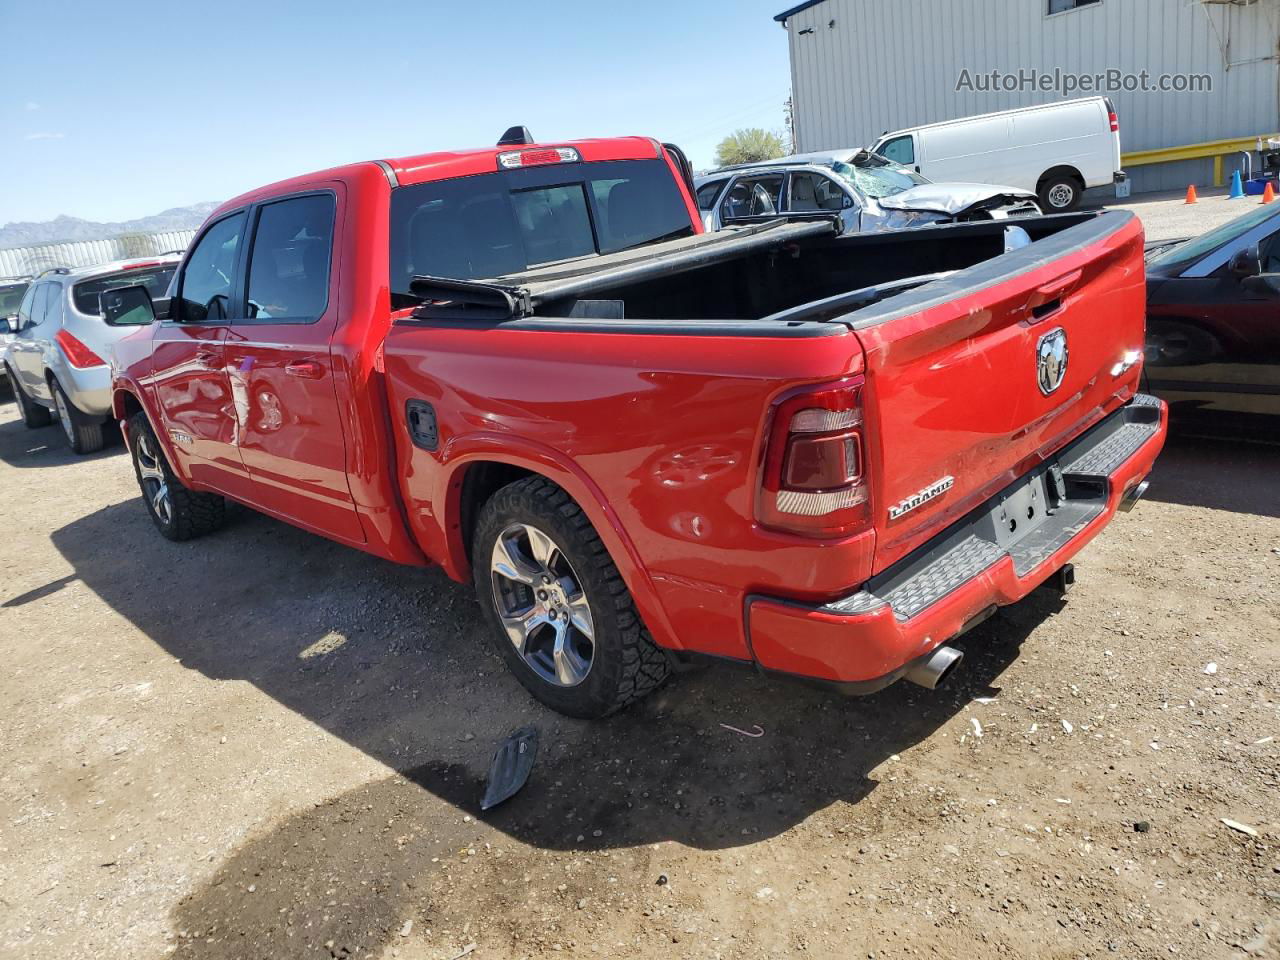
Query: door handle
(1048, 298)
(306, 369)
(206, 358)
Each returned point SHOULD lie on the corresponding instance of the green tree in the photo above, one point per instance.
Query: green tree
(749, 146)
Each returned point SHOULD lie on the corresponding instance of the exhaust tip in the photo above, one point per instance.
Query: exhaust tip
(1131, 498)
(932, 671)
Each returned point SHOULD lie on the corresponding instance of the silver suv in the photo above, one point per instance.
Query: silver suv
(866, 191)
(58, 357)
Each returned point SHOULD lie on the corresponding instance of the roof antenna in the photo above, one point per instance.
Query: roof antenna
(515, 136)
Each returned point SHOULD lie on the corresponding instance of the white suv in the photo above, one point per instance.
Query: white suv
(58, 359)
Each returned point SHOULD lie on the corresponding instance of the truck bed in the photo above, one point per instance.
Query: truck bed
(779, 271)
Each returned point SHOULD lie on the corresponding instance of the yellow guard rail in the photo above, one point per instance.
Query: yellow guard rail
(1195, 151)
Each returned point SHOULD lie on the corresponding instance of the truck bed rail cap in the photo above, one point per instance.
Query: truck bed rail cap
(995, 271)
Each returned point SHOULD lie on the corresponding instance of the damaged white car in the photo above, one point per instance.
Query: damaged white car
(867, 191)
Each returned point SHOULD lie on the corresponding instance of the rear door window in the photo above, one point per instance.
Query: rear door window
(813, 191)
(208, 280)
(756, 196)
(289, 265)
(52, 313)
(155, 278)
(495, 224)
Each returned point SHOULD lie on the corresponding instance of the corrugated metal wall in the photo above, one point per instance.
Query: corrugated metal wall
(21, 261)
(887, 65)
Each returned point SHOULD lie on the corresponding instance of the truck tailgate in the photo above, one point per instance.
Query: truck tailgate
(959, 402)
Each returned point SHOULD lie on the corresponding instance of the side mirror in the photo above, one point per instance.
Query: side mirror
(1246, 262)
(848, 202)
(127, 306)
(1263, 284)
(12, 324)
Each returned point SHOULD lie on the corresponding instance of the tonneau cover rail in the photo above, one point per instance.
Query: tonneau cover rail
(663, 260)
(517, 295)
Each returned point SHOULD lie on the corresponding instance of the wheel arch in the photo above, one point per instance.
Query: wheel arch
(127, 402)
(474, 477)
(1062, 169)
(1213, 337)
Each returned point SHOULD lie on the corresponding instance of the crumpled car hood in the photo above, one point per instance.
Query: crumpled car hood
(951, 198)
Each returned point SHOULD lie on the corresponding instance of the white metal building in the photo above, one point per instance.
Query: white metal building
(861, 67)
(24, 261)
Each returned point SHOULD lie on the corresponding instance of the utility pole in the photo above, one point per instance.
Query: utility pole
(789, 113)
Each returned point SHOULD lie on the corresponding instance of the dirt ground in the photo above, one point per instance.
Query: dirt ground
(262, 744)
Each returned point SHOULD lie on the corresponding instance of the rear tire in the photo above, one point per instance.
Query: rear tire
(1060, 193)
(33, 414)
(563, 582)
(178, 513)
(83, 432)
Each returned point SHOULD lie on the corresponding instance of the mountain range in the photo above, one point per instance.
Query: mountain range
(63, 229)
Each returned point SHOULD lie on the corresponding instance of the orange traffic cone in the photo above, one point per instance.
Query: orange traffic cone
(1268, 194)
(1191, 194)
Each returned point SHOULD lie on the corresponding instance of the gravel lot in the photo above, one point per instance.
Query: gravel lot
(262, 744)
(1168, 215)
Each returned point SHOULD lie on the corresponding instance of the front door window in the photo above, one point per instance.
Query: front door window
(208, 277)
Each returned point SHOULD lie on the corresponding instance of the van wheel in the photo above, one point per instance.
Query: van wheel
(560, 615)
(84, 433)
(33, 414)
(178, 513)
(1060, 193)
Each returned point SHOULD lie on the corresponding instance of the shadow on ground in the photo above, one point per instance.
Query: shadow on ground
(392, 660)
(1222, 474)
(22, 446)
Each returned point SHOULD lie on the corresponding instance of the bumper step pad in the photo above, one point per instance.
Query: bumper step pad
(972, 545)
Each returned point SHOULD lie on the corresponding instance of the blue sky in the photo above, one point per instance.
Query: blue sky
(118, 112)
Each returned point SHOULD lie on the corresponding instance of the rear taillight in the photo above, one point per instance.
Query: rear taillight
(1115, 122)
(540, 156)
(814, 482)
(78, 355)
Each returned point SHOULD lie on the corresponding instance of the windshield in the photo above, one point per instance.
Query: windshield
(10, 297)
(496, 224)
(1185, 253)
(155, 279)
(878, 181)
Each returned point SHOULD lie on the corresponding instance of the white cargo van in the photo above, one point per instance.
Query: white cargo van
(1057, 149)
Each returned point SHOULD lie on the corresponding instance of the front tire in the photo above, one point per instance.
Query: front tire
(560, 615)
(84, 433)
(33, 414)
(178, 513)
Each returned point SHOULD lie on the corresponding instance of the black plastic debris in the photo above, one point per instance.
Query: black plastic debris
(511, 766)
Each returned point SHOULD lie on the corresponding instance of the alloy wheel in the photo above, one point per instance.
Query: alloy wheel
(64, 416)
(542, 605)
(155, 486)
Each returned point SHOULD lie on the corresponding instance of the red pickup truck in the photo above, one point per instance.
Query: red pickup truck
(822, 455)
